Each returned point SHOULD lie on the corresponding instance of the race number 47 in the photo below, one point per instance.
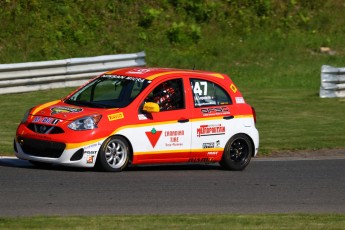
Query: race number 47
(200, 88)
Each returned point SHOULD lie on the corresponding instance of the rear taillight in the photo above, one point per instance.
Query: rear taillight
(254, 114)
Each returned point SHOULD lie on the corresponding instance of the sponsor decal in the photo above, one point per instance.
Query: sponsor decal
(45, 120)
(124, 78)
(36, 119)
(206, 98)
(239, 100)
(174, 137)
(215, 111)
(91, 152)
(90, 156)
(210, 130)
(142, 117)
(138, 71)
(89, 159)
(174, 133)
(233, 88)
(208, 145)
(91, 146)
(116, 116)
(65, 109)
(201, 159)
(153, 136)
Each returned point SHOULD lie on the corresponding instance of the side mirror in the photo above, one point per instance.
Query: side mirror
(151, 107)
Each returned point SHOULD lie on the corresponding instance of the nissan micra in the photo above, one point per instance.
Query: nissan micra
(135, 116)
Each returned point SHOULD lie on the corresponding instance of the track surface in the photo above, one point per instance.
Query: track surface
(266, 186)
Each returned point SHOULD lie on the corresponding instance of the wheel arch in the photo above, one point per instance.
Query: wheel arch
(129, 146)
(251, 141)
(238, 152)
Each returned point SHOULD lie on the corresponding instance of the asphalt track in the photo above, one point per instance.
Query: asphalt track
(278, 185)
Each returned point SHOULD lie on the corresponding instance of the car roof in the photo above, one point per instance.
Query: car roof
(153, 73)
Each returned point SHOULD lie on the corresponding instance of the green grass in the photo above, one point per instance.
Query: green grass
(290, 119)
(13, 107)
(267, 222)
(279, 76)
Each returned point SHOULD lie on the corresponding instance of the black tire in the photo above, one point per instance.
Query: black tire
(237, 153)
(114, 154)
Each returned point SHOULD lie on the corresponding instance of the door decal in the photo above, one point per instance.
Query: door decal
(153, 136)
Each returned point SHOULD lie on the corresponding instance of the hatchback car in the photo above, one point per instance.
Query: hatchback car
(142, 116)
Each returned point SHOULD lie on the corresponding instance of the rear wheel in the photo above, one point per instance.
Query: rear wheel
(237, 153)
(114, 154)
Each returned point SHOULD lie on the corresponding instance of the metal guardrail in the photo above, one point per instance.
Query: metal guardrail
(32, 76)
(332, 82)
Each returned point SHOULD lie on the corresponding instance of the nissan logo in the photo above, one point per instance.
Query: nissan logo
(42, 129)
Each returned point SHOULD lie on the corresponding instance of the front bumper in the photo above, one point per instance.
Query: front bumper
(56, 152)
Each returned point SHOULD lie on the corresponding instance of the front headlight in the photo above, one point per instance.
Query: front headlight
(85, 123)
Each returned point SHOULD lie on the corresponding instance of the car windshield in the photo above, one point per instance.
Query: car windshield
(109, 91)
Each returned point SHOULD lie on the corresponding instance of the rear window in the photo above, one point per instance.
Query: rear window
(207, 93)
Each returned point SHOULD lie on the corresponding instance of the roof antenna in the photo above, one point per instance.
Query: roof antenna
(194, 67)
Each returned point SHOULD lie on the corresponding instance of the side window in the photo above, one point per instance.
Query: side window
(206, 93)
(168, 95)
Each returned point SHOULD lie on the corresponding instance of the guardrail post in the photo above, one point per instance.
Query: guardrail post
(332, 82)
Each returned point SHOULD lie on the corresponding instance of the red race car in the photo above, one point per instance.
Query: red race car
(142, 116)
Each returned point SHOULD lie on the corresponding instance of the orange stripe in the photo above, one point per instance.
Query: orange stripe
(161, 152)
(150, 78)
(244, 116)
(179, 150)
(82, 144)
(45, 106)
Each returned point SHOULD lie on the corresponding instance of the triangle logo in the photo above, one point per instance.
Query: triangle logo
(153, 136)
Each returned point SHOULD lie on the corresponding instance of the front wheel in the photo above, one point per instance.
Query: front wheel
(114, 154)
(237, 153)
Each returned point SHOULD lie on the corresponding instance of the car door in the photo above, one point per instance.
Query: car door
(211, 120)
(165, 136)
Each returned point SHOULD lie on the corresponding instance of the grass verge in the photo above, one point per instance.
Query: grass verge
(272, 221)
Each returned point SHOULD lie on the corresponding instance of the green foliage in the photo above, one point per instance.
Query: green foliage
(46, 30)
(149, 16)
(198, 10)
(176, 33)
(179, 33)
